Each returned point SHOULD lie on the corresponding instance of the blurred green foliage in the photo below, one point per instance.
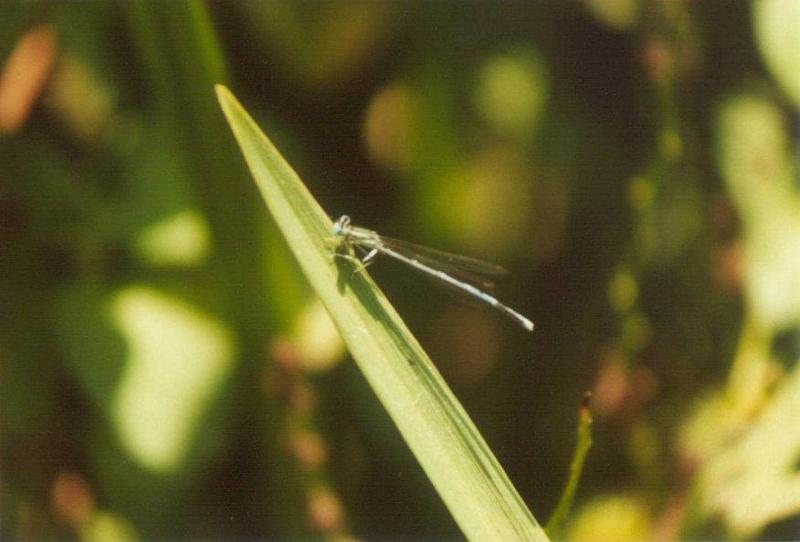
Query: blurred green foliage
(167, 373)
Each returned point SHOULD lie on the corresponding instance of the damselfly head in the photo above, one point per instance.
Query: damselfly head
(341, 226)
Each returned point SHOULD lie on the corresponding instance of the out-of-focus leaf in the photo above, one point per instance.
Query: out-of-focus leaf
(151, 362)
(316, 338)
(107, 527)
(755, 480)
(177, 358)
(777, 29)
(619, 14)
(615, 518)
(512, 92)
(754, 158)
(191, 126)
(182, 239)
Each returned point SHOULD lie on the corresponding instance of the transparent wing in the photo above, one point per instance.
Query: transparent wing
(474, 271)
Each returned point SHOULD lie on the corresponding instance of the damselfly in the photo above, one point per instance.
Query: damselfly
(427, 261)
